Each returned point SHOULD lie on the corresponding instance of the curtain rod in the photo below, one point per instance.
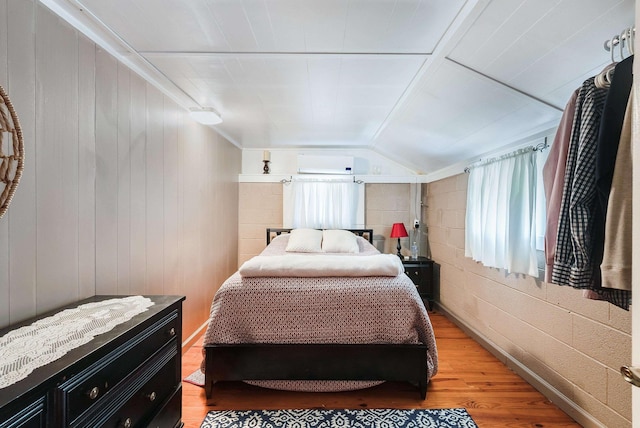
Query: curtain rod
(540, 147)
(320, 178)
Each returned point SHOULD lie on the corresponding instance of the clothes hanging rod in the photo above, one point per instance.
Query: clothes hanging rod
(626, 34)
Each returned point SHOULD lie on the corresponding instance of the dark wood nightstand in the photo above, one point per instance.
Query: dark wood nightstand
(420, 271)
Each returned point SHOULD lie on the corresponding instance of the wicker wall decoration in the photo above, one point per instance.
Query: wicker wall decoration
(11, 151)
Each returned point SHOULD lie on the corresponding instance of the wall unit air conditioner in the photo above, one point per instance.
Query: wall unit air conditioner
(325, 164)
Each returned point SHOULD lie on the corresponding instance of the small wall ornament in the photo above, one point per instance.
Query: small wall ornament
(11, 151)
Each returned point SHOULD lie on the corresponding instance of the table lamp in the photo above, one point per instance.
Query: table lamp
(398, 231)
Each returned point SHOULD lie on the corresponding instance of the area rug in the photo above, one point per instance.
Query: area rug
(322, 418)
(195, 378)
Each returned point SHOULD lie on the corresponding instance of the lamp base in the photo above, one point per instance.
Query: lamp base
(399, 247)
(265, 170)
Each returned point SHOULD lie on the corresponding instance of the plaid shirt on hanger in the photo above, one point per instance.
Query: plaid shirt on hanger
(572, 262)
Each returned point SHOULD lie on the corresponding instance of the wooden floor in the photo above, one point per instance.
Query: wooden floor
(468, 377)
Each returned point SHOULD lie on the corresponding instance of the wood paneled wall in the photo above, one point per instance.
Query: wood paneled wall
(122, 193)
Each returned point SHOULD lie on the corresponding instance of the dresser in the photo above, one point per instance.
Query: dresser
(127, 377)
(420, 271)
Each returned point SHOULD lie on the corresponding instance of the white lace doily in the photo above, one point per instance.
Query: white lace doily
(24, 349)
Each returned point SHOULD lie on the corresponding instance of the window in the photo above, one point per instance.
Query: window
(323, 203)
(541, 202)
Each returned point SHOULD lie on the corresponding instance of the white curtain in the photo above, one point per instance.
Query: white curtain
(323, 204)
(501, 207)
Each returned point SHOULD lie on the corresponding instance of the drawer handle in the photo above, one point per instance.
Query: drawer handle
(127, 423)
(93, 393)
(172, 332)
(152, 396)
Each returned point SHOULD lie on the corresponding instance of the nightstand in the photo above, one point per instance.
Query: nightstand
(420, 271)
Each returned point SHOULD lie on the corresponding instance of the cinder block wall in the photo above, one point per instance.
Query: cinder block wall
(574, 344)
(260, 206)
(386, 204)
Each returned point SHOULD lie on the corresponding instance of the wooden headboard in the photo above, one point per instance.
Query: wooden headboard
(278, 231)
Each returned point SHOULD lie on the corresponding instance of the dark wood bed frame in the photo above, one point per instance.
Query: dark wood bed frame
(271, 231)
(368, 362)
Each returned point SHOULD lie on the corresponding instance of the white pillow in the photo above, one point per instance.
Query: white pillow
(339, 241)
(305, 241)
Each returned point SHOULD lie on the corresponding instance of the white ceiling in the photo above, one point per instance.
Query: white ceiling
(427, 83)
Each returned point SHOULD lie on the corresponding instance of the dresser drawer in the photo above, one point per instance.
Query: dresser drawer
(32, 416)
(136, 401)
(415, 273)
(89, 387)
(170, 414)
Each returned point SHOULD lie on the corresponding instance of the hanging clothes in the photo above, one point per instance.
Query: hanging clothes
(612, 281)
(594, 216)
(553, 173)
(572, 263)
(608, 140)
(616, 261)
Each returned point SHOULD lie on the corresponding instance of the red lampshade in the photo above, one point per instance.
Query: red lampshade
(398, 231)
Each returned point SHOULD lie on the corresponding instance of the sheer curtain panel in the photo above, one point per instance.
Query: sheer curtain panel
(501, 206)
(324, 204)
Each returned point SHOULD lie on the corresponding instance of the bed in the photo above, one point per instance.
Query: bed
(319, 320)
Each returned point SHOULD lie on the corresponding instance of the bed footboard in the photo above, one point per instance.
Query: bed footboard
(227, 362)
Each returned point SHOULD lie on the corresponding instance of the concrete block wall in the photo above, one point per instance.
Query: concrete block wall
(574, 344)
(260, 206)
(386, 204)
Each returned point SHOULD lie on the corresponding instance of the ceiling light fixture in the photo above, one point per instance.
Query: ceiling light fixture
(205, 116)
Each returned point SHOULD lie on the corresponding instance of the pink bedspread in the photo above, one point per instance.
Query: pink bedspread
(347, 310)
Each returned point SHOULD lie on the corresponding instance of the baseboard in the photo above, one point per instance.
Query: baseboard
(189, 341)
(545, 388)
